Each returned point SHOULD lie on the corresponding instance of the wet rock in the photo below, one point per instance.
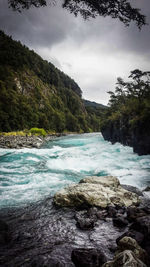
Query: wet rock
(135, 212)
(139, 237)
(146, 189)
(145, 204)
(120, 221)
(128, 254)
(21, 141)
(96, 191)
(85, 220)
(125, 259)
(142, 225)
(88, 257)
(44, 234)
(128, 243)
(133, 189)
(103, 180)
(112, 211)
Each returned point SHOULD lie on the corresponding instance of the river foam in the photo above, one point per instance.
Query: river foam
(27, 175)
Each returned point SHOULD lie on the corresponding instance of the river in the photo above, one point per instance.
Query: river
(28, 175)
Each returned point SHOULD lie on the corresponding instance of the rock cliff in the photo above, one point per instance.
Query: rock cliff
(121, 131)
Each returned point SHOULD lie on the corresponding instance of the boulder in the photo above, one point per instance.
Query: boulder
(96, 191)
(135, 212)
(133, 189)
(85, 220)
(128, 243)
(128, 254)
(142, 225)
(147, 189)
(111, 181)
(139, 237)
(125, 259)
(88, 257)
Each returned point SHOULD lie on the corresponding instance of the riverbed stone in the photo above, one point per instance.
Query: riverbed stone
(142, 225)
(125, 259)
(88, 257)
(120, 221)
(139, 237)
(128, 254)
(96, 191)
(85, 220)
(128, 243)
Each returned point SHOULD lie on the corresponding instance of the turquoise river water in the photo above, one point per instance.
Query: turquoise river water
(28, 175)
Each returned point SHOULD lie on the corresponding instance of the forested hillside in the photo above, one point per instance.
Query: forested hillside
(128, 118)
(34, 93)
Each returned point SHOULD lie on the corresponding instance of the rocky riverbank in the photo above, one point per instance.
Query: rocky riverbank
(18, 141)
(45, 234)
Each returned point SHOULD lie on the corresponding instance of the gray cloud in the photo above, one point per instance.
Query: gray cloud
(93, 52)
(37, 27)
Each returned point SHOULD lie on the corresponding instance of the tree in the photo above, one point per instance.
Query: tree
(120, 9)
(137, 88)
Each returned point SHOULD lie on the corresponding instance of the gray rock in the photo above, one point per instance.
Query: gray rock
(132, 189)
(96, 191)
(128, 243)
(147, 189)
(128, 254)
(125, 259)
(18, 141)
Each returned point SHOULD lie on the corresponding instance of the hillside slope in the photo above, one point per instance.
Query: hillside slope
(34, 93)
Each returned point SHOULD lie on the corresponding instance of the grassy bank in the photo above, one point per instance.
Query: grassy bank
(34, 131)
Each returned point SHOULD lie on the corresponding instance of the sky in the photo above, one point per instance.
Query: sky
(94, 52)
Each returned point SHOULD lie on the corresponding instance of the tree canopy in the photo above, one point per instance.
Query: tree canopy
(138, 89)
(120, 9)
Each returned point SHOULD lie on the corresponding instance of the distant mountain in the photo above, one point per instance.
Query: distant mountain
(88, 103)
(34, 93)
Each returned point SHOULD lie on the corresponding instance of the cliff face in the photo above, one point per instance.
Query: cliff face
(121, 131)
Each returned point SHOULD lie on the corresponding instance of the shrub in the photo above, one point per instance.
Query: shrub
(38, 131)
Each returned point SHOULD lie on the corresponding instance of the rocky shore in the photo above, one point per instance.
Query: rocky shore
(78, 228)
(17, 141)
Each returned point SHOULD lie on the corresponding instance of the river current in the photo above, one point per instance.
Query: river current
(28, 175)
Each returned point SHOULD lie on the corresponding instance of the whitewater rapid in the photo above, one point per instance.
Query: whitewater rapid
(28, 175)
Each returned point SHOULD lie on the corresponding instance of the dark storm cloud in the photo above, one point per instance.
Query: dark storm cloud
(115, 36)
(43, 27)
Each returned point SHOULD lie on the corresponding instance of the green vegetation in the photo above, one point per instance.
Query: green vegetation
(130, 103)
(95, 114)
(18, 133)
(37, 131)
(35, 94)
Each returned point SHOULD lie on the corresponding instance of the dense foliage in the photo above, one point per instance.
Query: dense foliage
(130, 103)
(120, 9)
(33, 93)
